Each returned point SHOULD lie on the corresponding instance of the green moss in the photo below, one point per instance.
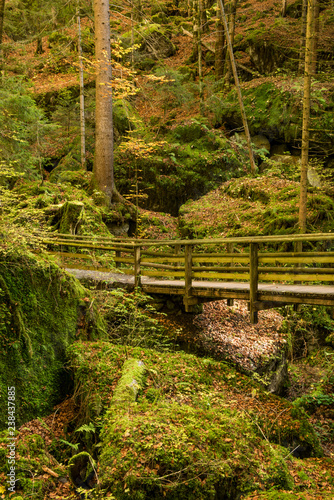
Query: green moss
(187, 434)
(31, 456)
(40, 310)
(261, 206)
(275, 106)
(131, 381)
(195, 161)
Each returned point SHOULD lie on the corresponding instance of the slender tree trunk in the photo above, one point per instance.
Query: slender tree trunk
(2, 12)
(82, 98)
(306, 114)
(219, 46)
(137, 11)
(302, 38)
(316, 37)
(104, 139)
(39, 46)
(200, 56)
(132, 32)
(284, 6)
(204, 18)
(237, 85)
(232, 16)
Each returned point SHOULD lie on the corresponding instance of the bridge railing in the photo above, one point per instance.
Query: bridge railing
(247, 259)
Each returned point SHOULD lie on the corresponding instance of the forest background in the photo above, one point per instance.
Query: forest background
(180, 161)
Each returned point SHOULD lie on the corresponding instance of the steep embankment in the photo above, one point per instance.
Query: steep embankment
(267, 204)
(42, 310)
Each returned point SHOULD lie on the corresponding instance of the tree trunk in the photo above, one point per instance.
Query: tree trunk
(104, 138)
(39, 46)
(204, 21)
(316, 37)
(82, 98)
(284, 6)
(2, 12)
(302, 38)
(200, 56)
(138, 15)
(237, 84)
(306, 114)
(232, 16)
(219, 48)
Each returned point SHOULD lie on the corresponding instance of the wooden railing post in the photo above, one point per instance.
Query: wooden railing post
(177, 250)
(117, 255)
(188, 300)
(229, 248)
(137, 266)
(253, 285)
(298, 248)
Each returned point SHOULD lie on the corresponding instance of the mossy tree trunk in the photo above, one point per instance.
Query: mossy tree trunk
(69, 217)
(200, 54)
(306, 113)
(131, 381)
(219, 46)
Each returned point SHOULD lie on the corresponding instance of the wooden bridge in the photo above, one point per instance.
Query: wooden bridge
(267, 271)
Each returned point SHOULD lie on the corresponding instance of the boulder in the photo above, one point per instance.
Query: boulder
(152, 42)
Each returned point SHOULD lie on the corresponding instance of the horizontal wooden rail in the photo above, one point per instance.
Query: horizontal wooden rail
(252, 259)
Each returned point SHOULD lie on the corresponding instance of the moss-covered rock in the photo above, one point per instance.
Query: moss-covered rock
(42, 312)
(151, 40)
(198, 428)
(254, 206)
(193, 161)
(274, 108)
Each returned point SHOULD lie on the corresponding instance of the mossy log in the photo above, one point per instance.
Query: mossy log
(131, 381)
(81, 469)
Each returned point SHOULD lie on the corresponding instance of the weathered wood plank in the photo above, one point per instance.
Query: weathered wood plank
(170, 274)
(89, 245)
(125, 260)
(71, 255)
(163, 266)
(221, 276)
(232, 259)
(292, 276)
(296, 260)
(176, 259)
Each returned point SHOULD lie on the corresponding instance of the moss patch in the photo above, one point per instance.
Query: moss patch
(42, 311)
(254, 206)
(198, 426)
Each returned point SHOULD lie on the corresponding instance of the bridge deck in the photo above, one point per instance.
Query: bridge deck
(289, 294)
(258, 269)
(206, 290)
